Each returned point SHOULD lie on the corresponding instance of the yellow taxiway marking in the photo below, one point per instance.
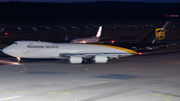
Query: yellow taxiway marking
(162, 95)
(20, 92)
(52, 92)
(20, 71)
(59, 93)
(65, 93)
(7, 92)
(57, 97)
(156, 94)
(9, 97)
(169, 95)
(166, 98)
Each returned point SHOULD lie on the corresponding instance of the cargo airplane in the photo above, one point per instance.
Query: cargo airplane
(86, 53)
(94, 39)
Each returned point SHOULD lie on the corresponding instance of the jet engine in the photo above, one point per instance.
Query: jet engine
(75, 59)
(100, 59)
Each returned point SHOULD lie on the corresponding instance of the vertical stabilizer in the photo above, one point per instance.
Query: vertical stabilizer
(98, 35)
(157, 34)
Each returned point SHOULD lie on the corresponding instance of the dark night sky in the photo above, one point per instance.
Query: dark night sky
(167, 1)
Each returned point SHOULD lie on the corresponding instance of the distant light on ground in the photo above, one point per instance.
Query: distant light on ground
(172, 16)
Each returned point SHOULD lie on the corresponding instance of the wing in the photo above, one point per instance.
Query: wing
(91, 55)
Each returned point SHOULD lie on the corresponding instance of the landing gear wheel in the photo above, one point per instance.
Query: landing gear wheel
(19, 60)
(87, 61)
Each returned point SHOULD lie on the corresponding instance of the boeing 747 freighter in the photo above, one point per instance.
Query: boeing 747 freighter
(86, 53)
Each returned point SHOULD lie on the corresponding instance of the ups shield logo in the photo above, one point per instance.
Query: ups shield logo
(160, 33)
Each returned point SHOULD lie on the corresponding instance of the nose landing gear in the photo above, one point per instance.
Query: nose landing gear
(19, 60)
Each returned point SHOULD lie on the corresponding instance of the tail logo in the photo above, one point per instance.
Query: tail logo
(160, 33)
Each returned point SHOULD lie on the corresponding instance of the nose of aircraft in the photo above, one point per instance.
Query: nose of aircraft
(7, 51)
(4, 50)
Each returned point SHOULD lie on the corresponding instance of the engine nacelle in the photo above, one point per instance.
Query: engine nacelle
(100, 59)
(75, 59)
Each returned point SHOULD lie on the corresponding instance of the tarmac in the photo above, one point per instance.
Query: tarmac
(150, 77)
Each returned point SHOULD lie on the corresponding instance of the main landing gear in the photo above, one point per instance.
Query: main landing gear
(87, 61)
(19, 60)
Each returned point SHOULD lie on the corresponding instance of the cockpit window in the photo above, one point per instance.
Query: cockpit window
(15, 43)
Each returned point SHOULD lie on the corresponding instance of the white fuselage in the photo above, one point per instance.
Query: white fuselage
(37, 49)
(94, 39)
(85, 40)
